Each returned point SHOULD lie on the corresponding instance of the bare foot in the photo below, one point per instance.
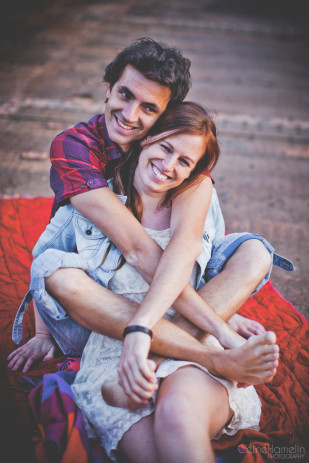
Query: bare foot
(255, 362)
(228, 337)
(245, 326)
(114, 395)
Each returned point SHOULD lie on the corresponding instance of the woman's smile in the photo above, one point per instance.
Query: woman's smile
(158, 174)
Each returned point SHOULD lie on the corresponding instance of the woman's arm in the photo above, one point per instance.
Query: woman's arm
(171, 276)
(169, 287)
(175, 267)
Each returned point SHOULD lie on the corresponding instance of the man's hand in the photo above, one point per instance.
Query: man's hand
(41, 346)
(136, 372)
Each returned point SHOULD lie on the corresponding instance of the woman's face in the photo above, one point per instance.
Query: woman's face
(167, 163)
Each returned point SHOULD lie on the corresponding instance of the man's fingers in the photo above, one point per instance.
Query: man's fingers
(50, 355)
(28, 364)
(17, 363)
(12, 354)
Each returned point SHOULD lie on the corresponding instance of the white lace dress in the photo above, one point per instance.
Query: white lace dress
(99, 364)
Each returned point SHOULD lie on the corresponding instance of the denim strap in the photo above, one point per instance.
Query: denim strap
(283, 262)
(17, 333)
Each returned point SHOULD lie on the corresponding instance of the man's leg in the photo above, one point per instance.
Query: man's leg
(237, 280)
(101, 310)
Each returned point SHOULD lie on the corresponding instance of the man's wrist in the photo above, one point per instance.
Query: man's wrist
(41, 334)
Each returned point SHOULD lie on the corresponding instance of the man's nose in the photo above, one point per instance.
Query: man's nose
(131, 112)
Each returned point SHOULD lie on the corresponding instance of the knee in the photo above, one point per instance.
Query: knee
(257, 259)
(64, 281)
(173, 412)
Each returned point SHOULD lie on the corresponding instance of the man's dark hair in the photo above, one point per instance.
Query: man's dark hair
(157, 62)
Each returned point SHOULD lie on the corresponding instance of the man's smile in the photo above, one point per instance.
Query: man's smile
(126, 127)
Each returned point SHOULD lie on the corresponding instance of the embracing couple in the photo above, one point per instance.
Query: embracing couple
(135, 272)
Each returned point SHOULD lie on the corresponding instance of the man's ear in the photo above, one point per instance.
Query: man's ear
(108, 91)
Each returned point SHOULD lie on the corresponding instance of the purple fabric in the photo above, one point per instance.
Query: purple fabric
(60, 427)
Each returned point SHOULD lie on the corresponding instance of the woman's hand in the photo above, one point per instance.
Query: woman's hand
(41, 346)
(136, 372)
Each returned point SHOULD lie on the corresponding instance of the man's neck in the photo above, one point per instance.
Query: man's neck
(124, 148)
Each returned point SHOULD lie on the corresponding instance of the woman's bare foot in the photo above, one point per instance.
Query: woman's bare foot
(114, 395)
(254, 362)
(245, 326)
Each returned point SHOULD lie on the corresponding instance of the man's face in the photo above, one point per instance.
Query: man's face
(134, 104)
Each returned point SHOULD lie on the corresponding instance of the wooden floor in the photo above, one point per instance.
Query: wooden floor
(249, 68)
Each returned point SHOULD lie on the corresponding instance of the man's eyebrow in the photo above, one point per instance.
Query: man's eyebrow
(154, 106)
(124, 88)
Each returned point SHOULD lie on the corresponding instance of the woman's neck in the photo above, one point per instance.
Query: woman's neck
(154, 217)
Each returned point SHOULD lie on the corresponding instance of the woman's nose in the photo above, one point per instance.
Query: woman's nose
(169, 163)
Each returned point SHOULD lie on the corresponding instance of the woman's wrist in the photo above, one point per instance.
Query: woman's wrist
(137, 328)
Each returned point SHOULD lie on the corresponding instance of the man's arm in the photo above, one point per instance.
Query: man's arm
(170, 271)
(102, 207)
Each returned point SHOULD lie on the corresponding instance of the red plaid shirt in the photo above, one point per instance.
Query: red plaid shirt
(80, 159)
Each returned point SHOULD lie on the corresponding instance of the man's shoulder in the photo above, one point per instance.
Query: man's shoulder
(94, 129)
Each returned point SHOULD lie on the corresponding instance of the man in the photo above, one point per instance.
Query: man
(142, 81)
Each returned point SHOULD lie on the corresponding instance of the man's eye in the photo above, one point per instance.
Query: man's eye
(125, 94)
(150, 109)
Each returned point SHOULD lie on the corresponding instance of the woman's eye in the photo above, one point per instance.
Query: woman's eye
(184, 162)
(166, 148)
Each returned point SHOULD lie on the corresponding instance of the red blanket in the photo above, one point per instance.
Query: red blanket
(285, 413)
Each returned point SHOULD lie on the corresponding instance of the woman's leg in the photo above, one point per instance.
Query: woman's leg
(191, 408)
(137, 444)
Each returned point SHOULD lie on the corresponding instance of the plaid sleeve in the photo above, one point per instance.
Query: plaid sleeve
(78, 165)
